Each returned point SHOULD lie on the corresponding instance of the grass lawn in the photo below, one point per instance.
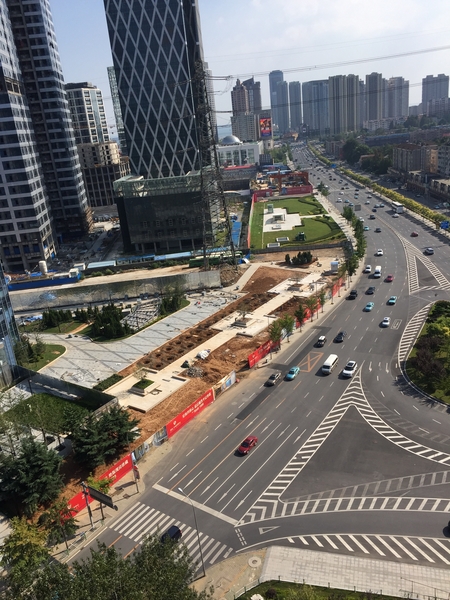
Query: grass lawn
(316, 229)
(52, 351)
(279, 590)
(36, 327)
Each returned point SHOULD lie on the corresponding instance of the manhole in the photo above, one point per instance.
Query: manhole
(254, 562)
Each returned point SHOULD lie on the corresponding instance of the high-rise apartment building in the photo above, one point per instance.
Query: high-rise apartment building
(397, 97)
(315, 106)
(275, 77)
(295, 105)
(434, 88)
(374, 97)
(283, 106)
(337, 104)
(9, 336)
(239, 99)
(117, 110)
(353, 103)
(87, 112)
(157, 51)
(34, 38)
(254, 95)
(26, 229)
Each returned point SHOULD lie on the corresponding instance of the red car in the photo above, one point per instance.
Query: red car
(389, 278)
(247, 445)
(414, 234)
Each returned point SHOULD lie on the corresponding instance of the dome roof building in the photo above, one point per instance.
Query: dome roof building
(230, 140)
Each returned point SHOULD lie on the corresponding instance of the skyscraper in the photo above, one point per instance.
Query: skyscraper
(315, 106)
(295, 104)
(157, 48)
(434, 88)
(398, 97)
(275, 77)
(337, 103)
(87, 112)
(374, 97)
(353, 103)
(283, 106)
(239, 99)
(117, 110)
(43, 83)
(9, 335)
(254, 95)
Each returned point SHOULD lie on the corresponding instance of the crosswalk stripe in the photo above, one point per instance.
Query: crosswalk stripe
(144, 510)
(369, 541)
(128, 513)
(145, 519)
(409, 540)
(332, 544)
(439, 543)
(395, 540)
(303, 541)
(425, 543)
(383, 541)
(153, 527)
(344, 543)
(313, 537)
(206, 556)
(358, 544)
(216, 556)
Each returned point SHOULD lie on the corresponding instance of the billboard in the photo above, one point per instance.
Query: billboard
(265, 127)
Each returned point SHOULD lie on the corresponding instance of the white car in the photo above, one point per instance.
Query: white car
(349, 369)
(368, 269)
(386, 322)
(339, 200)
(361, 219)
(395, 216)
(379, 252)
(367, 202)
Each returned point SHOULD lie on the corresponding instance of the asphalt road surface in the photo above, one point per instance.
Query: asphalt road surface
(359, 466)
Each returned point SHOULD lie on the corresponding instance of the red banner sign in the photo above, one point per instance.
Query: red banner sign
(190, 412)
(259, 353)
(118, 470)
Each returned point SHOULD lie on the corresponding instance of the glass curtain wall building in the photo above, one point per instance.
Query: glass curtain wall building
(9, 336)
(155, 46)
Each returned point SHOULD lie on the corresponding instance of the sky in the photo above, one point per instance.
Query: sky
(306, 39)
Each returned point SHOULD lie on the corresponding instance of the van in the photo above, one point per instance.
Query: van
(329, 364)
(377, 272)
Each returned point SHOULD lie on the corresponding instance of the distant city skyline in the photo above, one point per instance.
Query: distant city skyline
(240, 40)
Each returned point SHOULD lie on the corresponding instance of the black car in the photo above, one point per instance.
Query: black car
(173, 534)
(372, 217)
(370, 290)
(353, 294)
(340, 336)
(374, 210)
(378, 230)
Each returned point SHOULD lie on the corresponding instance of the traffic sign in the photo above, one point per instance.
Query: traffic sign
(445, 224)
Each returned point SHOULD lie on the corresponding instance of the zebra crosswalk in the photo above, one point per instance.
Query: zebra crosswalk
(141, 520)
(432, 551)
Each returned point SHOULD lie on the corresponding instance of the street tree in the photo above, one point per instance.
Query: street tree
(90, 441)
(300, 314)
(311, 305)
(58, 522)
(122, 429)
(275, 332)
(322, 297)
(288, 323)
(31, 479)
(23, 552)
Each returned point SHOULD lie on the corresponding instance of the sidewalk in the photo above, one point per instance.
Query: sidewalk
(234, 576)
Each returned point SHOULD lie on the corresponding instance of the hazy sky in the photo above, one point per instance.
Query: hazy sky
(307, 39)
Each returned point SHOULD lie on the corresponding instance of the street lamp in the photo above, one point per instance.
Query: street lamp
(196, 527)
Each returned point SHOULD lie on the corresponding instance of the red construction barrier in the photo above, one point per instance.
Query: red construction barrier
(190, 412)
(117, 470)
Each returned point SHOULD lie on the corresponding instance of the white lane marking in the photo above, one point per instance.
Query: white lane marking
(243, 500)
(422, 429)
(204, 439)
(230, 415)
(415, 407)
(211, 511)
(397, 412)
(299, 436)
(251, 395)
(209, 486)
(174, 466)
(177, 473)
(381, 393)
(438, 422)
(308, 413)
(219, 425)
(193, 479)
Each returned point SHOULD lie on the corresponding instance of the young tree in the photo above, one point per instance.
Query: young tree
(300, 314)
(275, 331)
(288, 323)
(322, 297)
(311, 304)
(31, 479)
(58, 523)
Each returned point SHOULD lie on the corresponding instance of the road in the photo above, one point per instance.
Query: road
(341, 465)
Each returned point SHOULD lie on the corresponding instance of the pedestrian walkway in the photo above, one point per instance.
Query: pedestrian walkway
(241, 573)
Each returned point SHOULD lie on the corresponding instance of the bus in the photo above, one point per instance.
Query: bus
(215, 258)
(398, 208)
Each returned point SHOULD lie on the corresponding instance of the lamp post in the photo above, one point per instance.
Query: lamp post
(196, 527)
